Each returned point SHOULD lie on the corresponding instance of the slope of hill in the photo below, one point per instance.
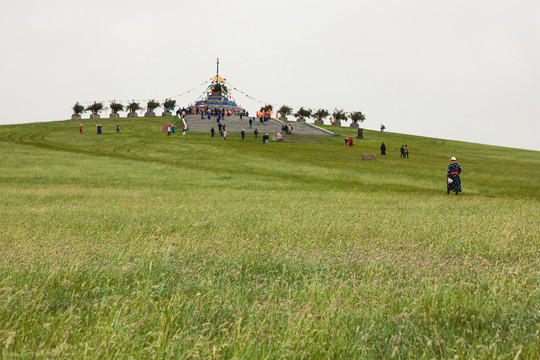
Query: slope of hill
(147, 245)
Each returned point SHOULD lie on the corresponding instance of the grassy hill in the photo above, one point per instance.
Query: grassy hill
(153, 246)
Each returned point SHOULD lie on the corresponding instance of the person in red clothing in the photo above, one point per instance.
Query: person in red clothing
(350, 141)
(80, 129)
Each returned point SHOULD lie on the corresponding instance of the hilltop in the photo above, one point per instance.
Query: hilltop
(147, 245)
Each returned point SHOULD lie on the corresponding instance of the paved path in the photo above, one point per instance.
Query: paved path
(234, 124)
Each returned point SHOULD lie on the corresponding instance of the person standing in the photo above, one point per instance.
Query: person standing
(346, 141)
(212, 131)
(402, 152)
(406, 151)
(243, 133)
(169, 130)
(350, 141)
(223, 135)
(256, 132)
(80, 129)
(383, 149)
(453, 177)
(250, 122)
(117, 129)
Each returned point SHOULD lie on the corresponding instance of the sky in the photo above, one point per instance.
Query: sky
(461, 70)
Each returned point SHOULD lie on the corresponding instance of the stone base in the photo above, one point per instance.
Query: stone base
(319, 122)
(353, 125)
(95, 116)
(149, 114)
(301, 120)
(76, 117)
(132, 114)
(114, 115)
(336, 123)
(360, 134)
(166, 113)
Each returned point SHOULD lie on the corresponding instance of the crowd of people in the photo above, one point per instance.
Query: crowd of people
(211, 112)
(452, 176)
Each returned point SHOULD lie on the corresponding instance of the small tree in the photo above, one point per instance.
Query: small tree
(78, 109)
(151, 105)
(303, 113)
(267, 108)
(321, 114)
(134, 106)
(95, 108)
(357, 116)
(169, 104)
(284, 111)
(339, 115)
(116, 107)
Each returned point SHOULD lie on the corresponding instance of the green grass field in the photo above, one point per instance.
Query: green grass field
(139, 245)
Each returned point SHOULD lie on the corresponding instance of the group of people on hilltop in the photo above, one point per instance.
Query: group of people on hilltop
(287, 129)
(211, 112)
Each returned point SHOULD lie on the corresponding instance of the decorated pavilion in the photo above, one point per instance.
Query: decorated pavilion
(217, 96)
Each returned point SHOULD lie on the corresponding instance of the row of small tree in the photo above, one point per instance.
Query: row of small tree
(320, 114)
(115, 107)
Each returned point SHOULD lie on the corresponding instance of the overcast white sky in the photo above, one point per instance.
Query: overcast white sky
(465, 70)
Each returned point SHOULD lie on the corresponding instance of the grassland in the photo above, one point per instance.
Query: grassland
(140, 245)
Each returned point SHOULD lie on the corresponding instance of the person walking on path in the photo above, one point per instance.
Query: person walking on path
(453, 179)
(256, 132)
(383, 149)
(80, 129)
(243, 133)
(212, 131)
